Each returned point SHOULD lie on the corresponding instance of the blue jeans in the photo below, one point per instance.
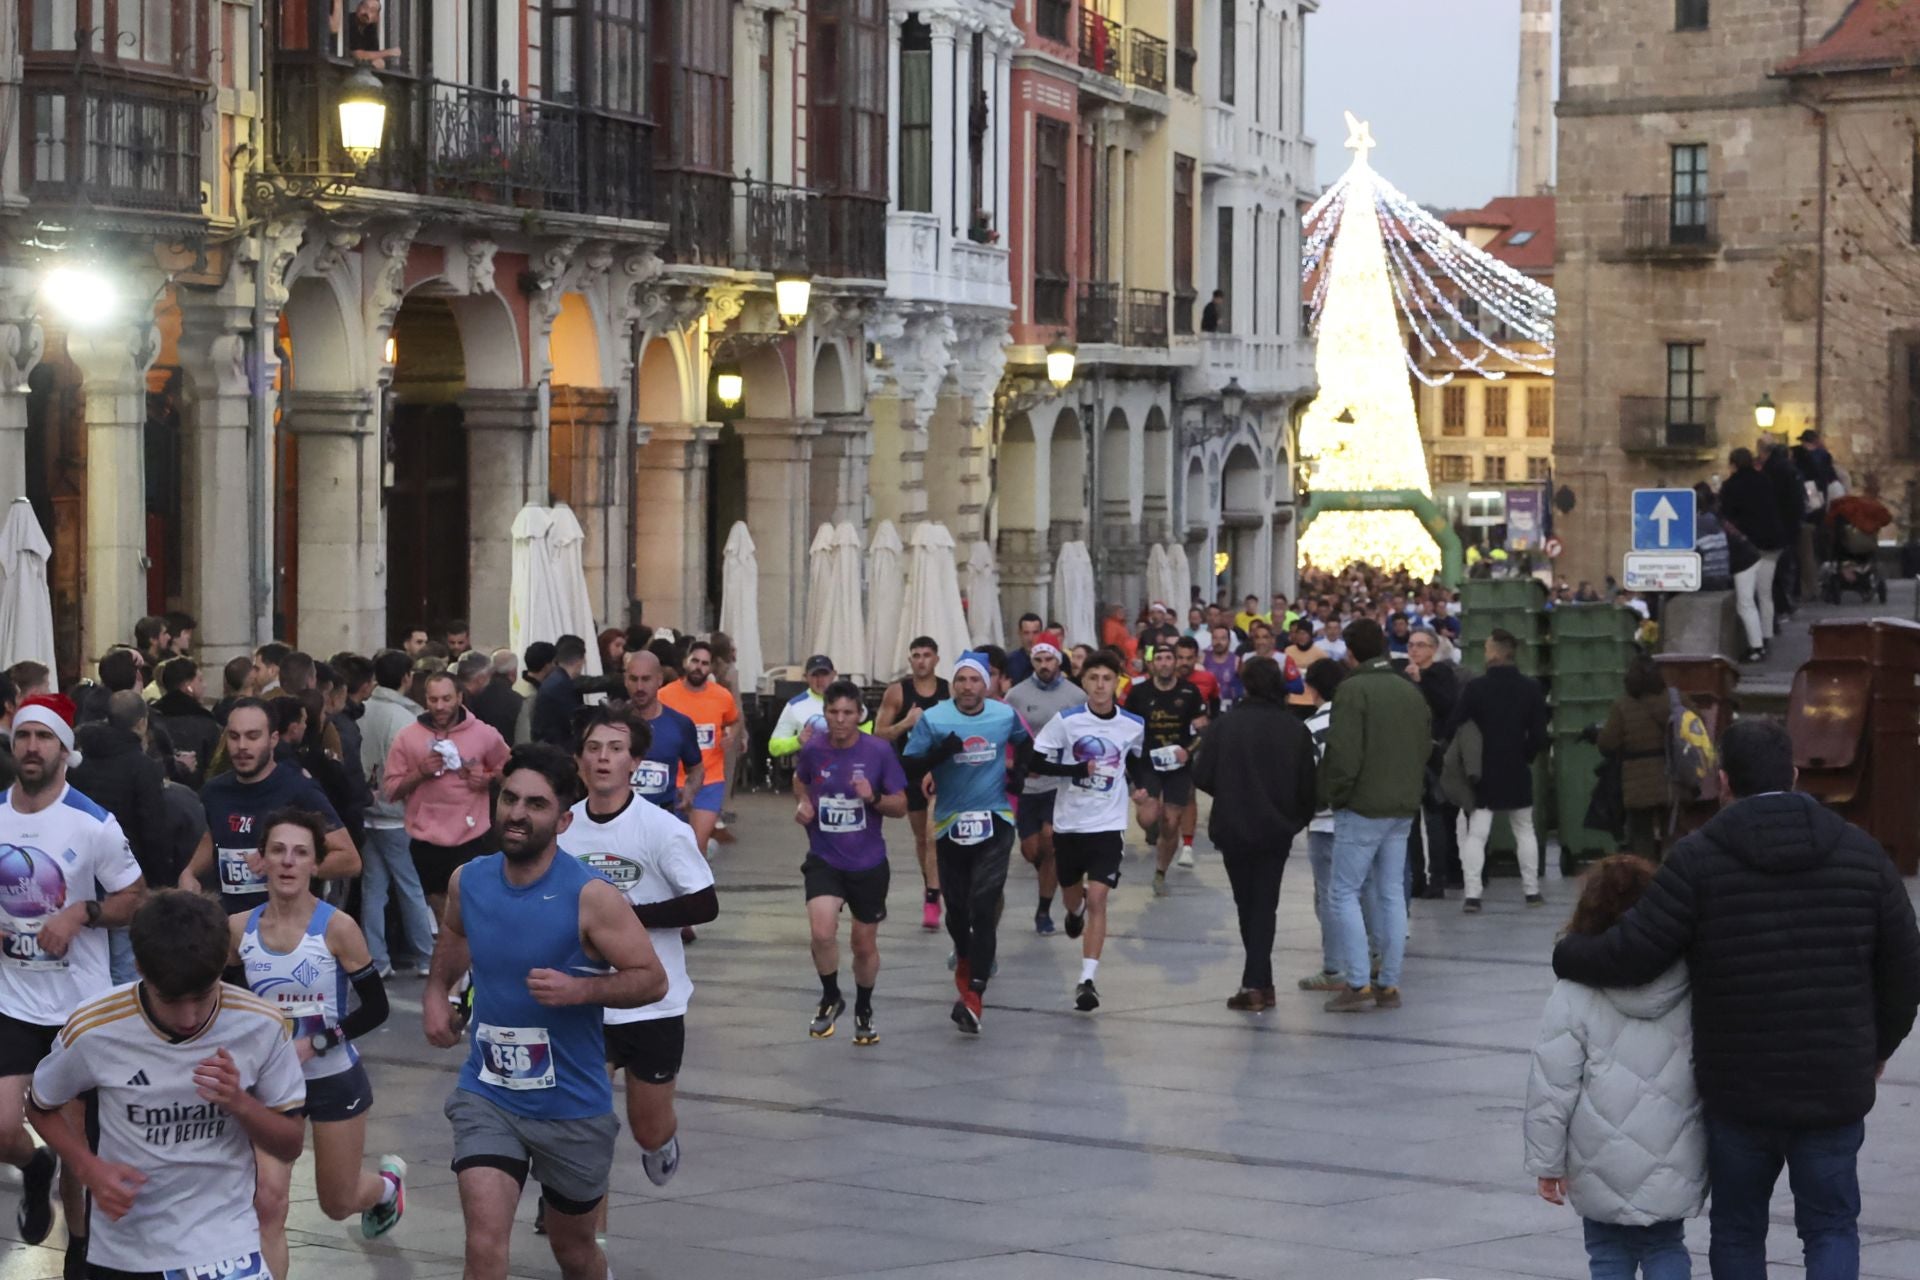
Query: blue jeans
(1744, 1162)
(388, 861)
(1320, 858)
(1369, 854)
(1654, 1253)
(120, 966)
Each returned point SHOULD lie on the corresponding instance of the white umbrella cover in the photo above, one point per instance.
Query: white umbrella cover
(26, 609)
(840, 629)
(932, 606)
(819, 570)
(981, 580)
(740, 603)
(886, 589)
(1159, 577)
(1073, 595)
(548, 593)
(1180, 573)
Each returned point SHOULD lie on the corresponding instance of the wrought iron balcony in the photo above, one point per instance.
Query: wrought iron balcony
(1657, 426)
(1672, 226)
(1146, 318)
(1101, 42)
(776, 226)
(1097, 318)
(717, 221)
(110, 143)
(847, 237)
(1147, 63)
(698, 210)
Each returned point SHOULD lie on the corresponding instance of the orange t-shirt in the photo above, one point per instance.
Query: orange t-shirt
(712, 709)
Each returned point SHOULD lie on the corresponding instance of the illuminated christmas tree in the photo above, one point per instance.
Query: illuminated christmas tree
(1371, 260)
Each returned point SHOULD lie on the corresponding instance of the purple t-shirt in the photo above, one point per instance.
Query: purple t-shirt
(845, 830)
(1226, 673)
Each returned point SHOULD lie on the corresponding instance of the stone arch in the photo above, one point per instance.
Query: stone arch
(832, 388)
(1020, 477)
(573, 344)
(1156, 475)
(1195, 507)
(318, 338)
(1243, 487)
(490, 339)
(768, 390)
(1116, 466)
(662, 388)
(1067, 476)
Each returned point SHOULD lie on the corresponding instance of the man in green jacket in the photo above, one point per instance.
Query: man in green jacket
(1372, 778)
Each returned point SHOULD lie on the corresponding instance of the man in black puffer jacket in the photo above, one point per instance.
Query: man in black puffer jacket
(1800, 941)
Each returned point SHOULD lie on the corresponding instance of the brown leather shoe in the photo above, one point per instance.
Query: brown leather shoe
(1247, 1000)
(1386, 997)
(1352, 1000)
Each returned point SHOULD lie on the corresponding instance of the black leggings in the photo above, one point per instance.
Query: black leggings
(972, 877)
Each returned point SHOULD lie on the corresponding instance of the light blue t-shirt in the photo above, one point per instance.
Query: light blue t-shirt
(974, 781)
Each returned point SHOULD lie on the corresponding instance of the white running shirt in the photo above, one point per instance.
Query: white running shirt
(196, 1208)
(48, 861)
(650, 856)
(1097, 802)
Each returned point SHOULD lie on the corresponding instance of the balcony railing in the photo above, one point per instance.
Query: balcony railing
(1147, 65)
(499, 148)
(847, 237)
(1183, 300)
(110, 145)
(1102, 41)
(1050, 299)
(717, 221)
(1681, 226)
(1097, 317)
(1146, 318)
(1661, 426)
(1050, 19)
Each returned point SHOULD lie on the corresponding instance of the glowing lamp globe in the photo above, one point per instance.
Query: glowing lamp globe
(81, 296)
(363, 116)
(1765, 412)
(728, 384)
(1061, 356)
(792, 293)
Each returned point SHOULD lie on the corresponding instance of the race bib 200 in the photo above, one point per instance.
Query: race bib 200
(22, 951)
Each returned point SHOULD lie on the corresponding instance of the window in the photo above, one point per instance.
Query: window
(1184, 55)
(1686, 383)
(1183, 195)
(1451, 468)
(1228, 23)
(1688, 190)
(483, 43)
(1496, 424)
(1050, 19)
(692, 94)
(1540, 413)
(1906, 393)
(1539, 468)
(1223, 261)
(1453, 411)
(1519, 238)
(977, 132)
(1051, 139)
(1496, 466)
(1689, 15)
(847, 88)
(916, 116)
(616, 58)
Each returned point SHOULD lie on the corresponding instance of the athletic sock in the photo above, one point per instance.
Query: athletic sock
(1087, 969)
(391, 1191)
(1046, 904)
(830, 986)
(1186, 842)
(933, 895)
(1081, 913)
(862, 1002)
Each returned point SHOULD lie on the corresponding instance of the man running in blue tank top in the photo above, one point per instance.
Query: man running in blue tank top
(558, 945)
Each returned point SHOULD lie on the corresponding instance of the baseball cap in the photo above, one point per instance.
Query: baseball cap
(819, 662)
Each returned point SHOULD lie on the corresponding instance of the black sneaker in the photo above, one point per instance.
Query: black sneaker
(35, 1215)
(1471, 907)
(966, 1013)
(1535, 900)
(863, 1030)
(1076, 924)
(824, 1018)
(1085, 998)
(75, 1267)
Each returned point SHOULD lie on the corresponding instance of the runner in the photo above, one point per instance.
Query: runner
(1090, 815)
(1170, 708)
(237, 801)
(562, 945)
(957, 755)
(715, 715)
(67, 875)
(168, 1062)
(1038, 699)
(901, 707)
(1223, 664)
(302, 956)
(845, 782)
(804, 715)
(1187, 664)
(672, 742)
(651, 858)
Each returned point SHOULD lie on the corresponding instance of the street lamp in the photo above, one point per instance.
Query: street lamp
(1061, 356)
(1765, 412)
(792, 293)
(363, 117)
(81, 295)
(1233, 398)
(728, 384)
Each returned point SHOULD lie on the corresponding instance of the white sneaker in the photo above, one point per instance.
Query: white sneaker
(1185, 858)
(661, 1165)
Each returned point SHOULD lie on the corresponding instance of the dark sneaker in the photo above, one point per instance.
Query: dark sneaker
(1247, 1000)
(661, 1165)
(1085, 998)
(863, 1030)
(35, 1215)
(1043, 923)
(1535, 900)
(1471, 907)
(1076, 924)
(383, 1217)
(823, 1019)
(1386, 998)
(1352, 1000)
(966, 1013)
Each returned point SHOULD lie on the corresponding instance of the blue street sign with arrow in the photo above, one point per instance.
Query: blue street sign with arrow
(1663, 519)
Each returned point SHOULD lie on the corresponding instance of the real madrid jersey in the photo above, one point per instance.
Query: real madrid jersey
(195, 1211)
(1097, 802)
(48, 861)
(650, 856)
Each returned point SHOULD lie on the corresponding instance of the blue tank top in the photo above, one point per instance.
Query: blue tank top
(547, 1064)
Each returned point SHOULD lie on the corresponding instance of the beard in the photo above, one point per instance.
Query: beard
(524, 845)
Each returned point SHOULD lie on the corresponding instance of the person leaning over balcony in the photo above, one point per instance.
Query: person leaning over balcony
(1214, 314)
(363, 34)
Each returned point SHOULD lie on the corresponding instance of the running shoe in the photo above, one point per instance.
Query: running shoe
(1076, 922)
(966, 1012)
(1085, 998)
(1323, 980)
(1535, 900)
(383, 1217)
(386, 972)
(661, 1165)
(1159, 884)
(863, 1030)
(930, 916)
(1470, 907)
(35, 1215)
(422, 969)
(823, 1020)
(1185, 857)
(1043, 923)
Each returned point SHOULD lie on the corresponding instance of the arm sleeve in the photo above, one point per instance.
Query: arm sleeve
(1643, 944)
(372, 1010)
(1896, 967)
(786, 733)
(62, 1075)
(691, 880)
(1553, 1086)
(1139, 768)
(280, 1085)
(690, 755)
(1041, 765)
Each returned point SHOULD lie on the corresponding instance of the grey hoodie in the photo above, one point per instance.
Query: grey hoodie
(1611, 1103)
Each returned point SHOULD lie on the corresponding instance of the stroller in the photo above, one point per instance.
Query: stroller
(1854, 523)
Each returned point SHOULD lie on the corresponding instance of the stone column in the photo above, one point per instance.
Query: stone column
(506, 469)
(342, 547)
(946, 124)
(841, 456)
(1002, 122)
(779, 455)
(670, 524)
(217, 420)
(20, 343)
(113, 364)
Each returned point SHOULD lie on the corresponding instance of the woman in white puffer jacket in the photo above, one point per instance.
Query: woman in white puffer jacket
(1613, 1120)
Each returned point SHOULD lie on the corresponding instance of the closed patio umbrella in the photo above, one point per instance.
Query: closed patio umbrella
(1073, 595)
(740, 603)
(981, 580)
(547, 596)
(932, 605)
(840, 626)
(1159, 576)
(819, 570)
(26, 610)
(1180, 572)
(886, 589)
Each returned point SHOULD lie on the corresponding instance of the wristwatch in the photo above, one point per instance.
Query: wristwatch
(322, 1041)
(93, 912)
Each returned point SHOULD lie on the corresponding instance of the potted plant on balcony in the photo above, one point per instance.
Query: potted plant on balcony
(981, 230)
